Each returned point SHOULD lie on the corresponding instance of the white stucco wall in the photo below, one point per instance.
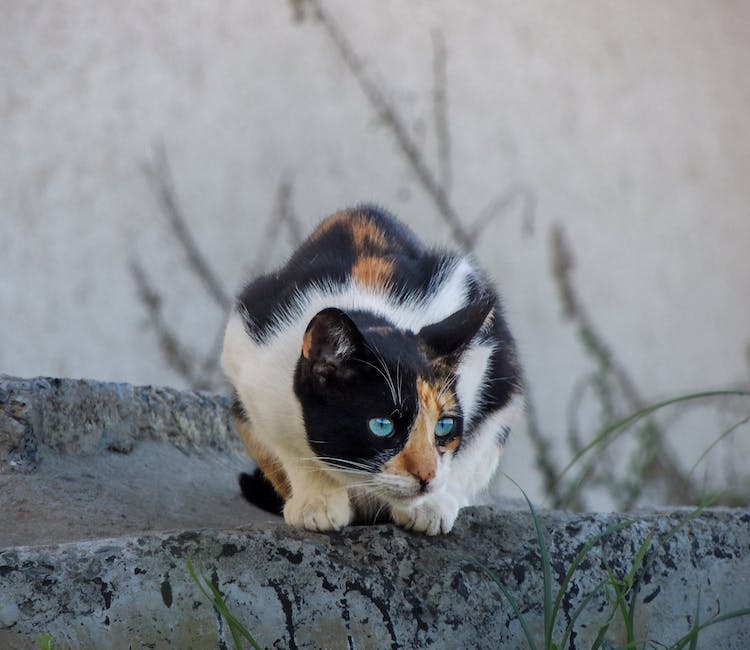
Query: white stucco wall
(627, 122)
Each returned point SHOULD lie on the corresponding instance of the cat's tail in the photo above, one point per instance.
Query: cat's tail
(257, 489)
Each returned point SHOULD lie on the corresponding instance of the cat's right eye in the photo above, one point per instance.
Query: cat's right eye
(381, 427)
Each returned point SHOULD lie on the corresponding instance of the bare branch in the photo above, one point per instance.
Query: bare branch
(440, 109)
(517, 194)
(656, 461)
(176, 355)
(395, 124)
(282, 215)
(160, 175)
(286, 214)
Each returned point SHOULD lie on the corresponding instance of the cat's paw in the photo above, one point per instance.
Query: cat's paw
(327, 511)
(433, 517)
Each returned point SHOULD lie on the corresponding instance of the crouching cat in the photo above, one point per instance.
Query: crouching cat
(374, 378)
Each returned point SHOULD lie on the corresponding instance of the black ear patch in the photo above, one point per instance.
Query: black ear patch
(330, 340)
(451, 335)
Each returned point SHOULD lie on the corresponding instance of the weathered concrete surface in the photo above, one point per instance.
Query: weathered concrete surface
(84, 416)
(375, 587)
(110, 468)
(84, 459)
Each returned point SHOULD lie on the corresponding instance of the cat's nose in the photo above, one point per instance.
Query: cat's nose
(424, 476)
(421, 466)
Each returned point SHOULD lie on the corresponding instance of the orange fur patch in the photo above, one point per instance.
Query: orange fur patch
(268, 462)
(452, 445)
(342, 217)
(373, 272)
(419, 456)
(367, 237)
(306, 344)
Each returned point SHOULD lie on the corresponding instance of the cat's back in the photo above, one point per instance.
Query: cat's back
(363, 249)
(367, 245)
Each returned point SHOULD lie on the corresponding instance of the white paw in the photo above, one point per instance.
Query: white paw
(432, 517)
(327, 511)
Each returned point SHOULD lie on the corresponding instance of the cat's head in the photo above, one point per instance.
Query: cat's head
(380, 404)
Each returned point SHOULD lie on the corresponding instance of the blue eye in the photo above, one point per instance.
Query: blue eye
(444, 426)
(381, 427)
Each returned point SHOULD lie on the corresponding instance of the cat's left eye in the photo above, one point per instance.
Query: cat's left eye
(444, 426)
(381, 427)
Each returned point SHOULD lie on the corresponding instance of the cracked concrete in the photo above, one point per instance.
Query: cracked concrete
(107, 489)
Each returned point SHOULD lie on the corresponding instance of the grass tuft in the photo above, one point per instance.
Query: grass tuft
(211, 591)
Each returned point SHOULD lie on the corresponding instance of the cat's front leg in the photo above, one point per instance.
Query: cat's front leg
(319, 511)
(433, 516)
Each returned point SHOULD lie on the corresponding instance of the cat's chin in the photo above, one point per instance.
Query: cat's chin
(407, 500)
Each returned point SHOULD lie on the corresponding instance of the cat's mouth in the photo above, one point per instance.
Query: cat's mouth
(410, 495)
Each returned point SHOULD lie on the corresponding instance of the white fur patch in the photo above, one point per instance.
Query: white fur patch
(472, 371)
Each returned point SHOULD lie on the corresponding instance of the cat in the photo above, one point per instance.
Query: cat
(374, 378)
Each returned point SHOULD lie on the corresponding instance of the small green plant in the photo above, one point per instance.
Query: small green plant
(551, 608)
(610, 432)
(211, 591)
(621, 592)
(45, 641)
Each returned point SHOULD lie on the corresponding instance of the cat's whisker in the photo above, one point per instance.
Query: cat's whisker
(398, 384)
(447, 385)
(344, 461)
(341, 465)
(384, 374)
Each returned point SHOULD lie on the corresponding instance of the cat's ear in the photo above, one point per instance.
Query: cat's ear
(330, 340)
(452, 335)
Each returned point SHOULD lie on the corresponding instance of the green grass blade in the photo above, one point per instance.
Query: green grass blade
(638, 560)
(578, 611)
(620, 603)
(45, 641)
(726, 433)
(609, 431)
(580, 556)
(549, 622)
(235, 626)
(600, 636)
(512, 601)
(696, 622)
(693, 634)
(212, 593)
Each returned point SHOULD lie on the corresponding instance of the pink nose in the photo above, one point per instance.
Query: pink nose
(423, 472)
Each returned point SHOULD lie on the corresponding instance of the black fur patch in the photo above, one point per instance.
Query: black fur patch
(338, 403)
(328, 258)
(257, 489)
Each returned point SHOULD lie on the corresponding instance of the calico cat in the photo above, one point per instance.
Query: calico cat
(373, 377)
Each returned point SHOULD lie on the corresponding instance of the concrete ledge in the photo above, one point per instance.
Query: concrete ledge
(375, 587)
(110, 469)
(86, 417)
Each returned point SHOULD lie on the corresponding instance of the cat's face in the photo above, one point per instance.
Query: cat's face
(380, 405)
